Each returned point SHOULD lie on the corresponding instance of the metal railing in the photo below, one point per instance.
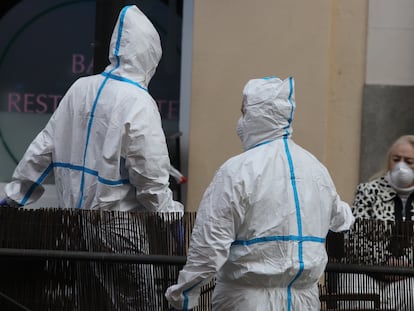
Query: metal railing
(55, 259)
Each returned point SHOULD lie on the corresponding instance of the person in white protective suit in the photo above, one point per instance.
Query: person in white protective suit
(262, 222)
(105, 143)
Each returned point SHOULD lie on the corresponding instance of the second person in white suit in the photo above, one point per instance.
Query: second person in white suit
(262, 222)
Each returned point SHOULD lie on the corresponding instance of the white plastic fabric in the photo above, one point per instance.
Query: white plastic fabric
(105, 142)
(263, 220)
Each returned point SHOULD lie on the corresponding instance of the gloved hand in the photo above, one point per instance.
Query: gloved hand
(7, 202)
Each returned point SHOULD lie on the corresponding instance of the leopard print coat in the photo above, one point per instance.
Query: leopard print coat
(377, 200)
(383, 237)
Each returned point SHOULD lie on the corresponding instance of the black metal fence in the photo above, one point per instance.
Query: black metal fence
(59, 259)
(370, 268)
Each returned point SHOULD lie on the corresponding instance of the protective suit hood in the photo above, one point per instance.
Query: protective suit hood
(268, 106)
(135, 48)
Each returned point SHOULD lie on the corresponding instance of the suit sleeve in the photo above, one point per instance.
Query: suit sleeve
(218, 218)
(35, 165)
(148, 161)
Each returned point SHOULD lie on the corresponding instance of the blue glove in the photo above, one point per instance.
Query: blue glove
(7, 202)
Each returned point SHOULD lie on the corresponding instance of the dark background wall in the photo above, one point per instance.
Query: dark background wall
(387, 113)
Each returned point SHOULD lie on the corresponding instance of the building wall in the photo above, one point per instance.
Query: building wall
(389, 89)
(320, 43)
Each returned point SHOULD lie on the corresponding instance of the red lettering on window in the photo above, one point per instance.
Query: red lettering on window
(78, 63)
(41, 103)
(13, 101)
(28, 101)
(32, 103)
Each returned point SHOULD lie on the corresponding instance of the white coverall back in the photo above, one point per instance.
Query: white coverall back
(105, 142)
(262, 223)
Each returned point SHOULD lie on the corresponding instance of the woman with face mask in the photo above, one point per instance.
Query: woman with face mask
(387, 199)
(390, 196)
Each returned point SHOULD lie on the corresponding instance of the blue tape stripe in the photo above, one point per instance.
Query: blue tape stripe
(299, 223)
(291, 104)
(38, 182)
(42, 177)
(116, 52)
(120, 29)
(269, 77)
(119, 78)
(92, 172)
(185, 294)
(296, 197)
(88, 134)
(279, 238)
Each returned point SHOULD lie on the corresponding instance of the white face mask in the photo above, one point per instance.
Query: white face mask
(401, 176)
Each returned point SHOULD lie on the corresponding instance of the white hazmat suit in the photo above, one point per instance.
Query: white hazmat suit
(107, 149)
(105, 142)
(262, 222)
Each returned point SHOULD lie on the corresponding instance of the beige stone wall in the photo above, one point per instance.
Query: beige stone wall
(320, 43)
(346, 82)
